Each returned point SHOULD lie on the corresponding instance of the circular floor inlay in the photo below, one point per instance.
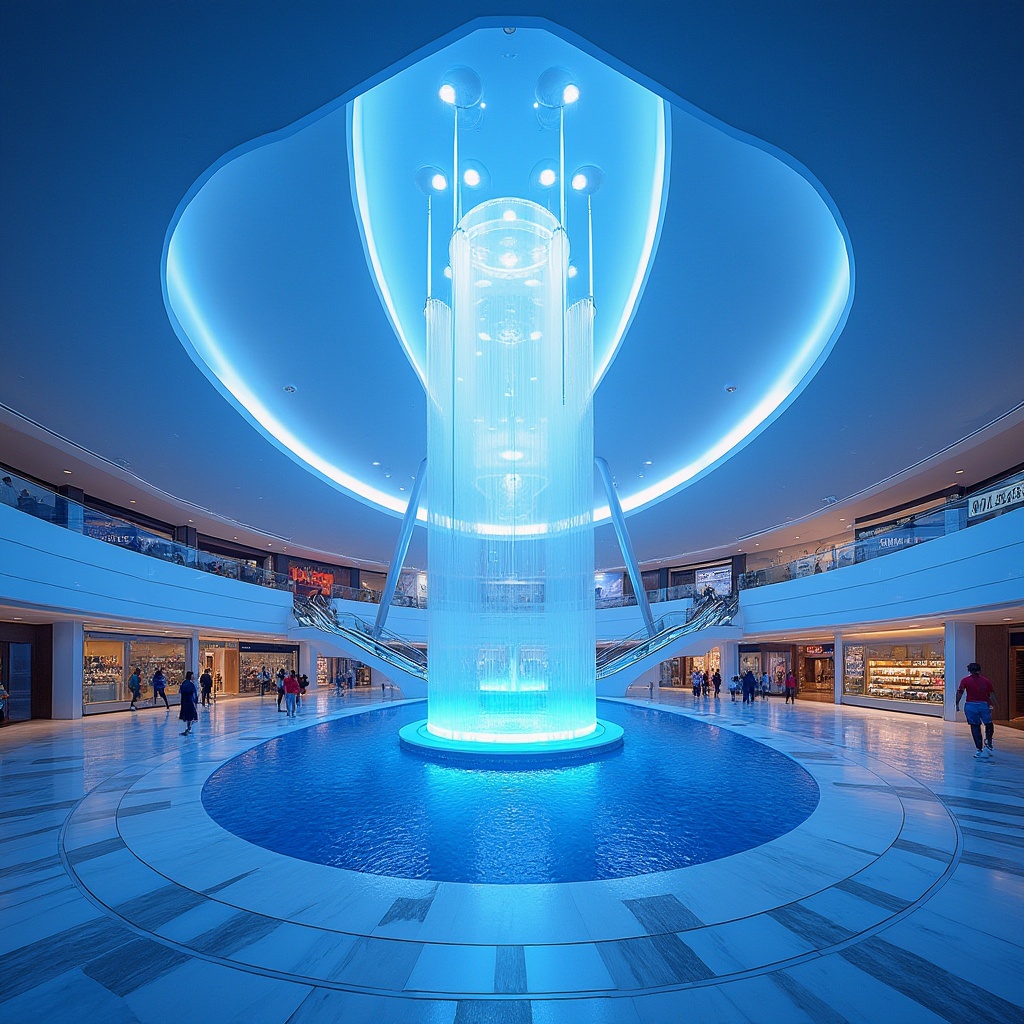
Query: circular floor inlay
(344, 793)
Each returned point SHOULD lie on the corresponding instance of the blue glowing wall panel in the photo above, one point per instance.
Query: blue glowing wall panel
(510, 480)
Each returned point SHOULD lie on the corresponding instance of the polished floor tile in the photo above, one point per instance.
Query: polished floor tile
(121, 901)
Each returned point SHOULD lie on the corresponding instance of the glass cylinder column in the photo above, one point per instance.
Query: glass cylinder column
(510, 488)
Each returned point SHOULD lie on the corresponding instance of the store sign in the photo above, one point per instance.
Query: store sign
(820, 651)
(996, 501)
(311, 580)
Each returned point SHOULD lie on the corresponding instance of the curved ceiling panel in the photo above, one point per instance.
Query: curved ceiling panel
(295, 262)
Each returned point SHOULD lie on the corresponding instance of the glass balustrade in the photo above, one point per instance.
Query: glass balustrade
(1004, 495)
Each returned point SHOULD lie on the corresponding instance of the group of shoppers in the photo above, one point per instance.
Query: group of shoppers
(290, 688)
(750, 687)
(703, 683)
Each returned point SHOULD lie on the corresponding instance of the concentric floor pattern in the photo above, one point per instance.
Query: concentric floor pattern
(900, 898)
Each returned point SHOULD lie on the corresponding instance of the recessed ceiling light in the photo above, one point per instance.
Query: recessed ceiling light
(731, 389)
(131, 501)
(1007, 619)
(374, 463)
(289, 389)
(16, 618)
(756, 544)
(401, 488)
(67, 472)
(959, 471)
(649, 462)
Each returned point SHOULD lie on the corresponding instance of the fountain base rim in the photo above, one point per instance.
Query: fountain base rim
(607, 738)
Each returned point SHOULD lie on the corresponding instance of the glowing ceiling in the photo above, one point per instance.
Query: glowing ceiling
(295, 262)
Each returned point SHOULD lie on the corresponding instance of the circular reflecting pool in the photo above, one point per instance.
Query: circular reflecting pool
(344, 793)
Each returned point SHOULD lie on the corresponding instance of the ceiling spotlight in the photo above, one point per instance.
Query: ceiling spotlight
(959, 471)
(67, 472)
(649, 462)
(289, 389)
(509, 31)
(374, 463)
(430, 180)
(460, 87)
(587, 179)
(557, 87)
(731, 389)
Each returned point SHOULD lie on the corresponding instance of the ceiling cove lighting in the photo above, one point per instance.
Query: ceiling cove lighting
(638, 197)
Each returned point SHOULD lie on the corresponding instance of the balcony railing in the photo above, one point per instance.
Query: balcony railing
(1005, 495)
(955, 515)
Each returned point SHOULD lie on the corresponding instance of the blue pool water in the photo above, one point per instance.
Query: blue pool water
(344, 793)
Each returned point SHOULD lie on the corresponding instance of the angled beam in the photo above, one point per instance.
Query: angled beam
(401, 549)
(625, 544)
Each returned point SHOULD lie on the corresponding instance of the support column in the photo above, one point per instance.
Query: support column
(839, 666)
(960, 652)
(192, 655)
(68, 668)
(308, 656)
(730, 661)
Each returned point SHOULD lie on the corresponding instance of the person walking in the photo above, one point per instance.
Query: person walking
(188, 712)
(303, 684)
(981, 699)
(749, 686)
(716, 681)
(206, 687)
(280, 689)
(135, 686)
(264, 680)
(291, 693)
(766, 685)
(790, 688)
(734, 687)
(159, 684)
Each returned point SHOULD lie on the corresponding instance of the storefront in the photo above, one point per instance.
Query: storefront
(254, 657)
(899, 674)
(220, 659)
(775, 659)
(25, 671)
(816, 674)
(108, 660)
(335, 672)
(678, 672)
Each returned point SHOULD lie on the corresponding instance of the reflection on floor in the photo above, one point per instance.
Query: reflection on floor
(900, 898)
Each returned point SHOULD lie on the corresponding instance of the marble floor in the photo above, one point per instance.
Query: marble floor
(901, 898)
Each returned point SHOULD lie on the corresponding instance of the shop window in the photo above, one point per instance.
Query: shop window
(104, 678)
(149, 655)
(908, 671)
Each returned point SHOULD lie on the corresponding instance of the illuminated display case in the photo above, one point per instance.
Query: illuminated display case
(914, 672)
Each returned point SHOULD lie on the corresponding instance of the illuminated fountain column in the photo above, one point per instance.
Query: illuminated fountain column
(510, 488)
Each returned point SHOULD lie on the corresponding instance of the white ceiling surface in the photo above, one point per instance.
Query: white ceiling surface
(911, 124)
